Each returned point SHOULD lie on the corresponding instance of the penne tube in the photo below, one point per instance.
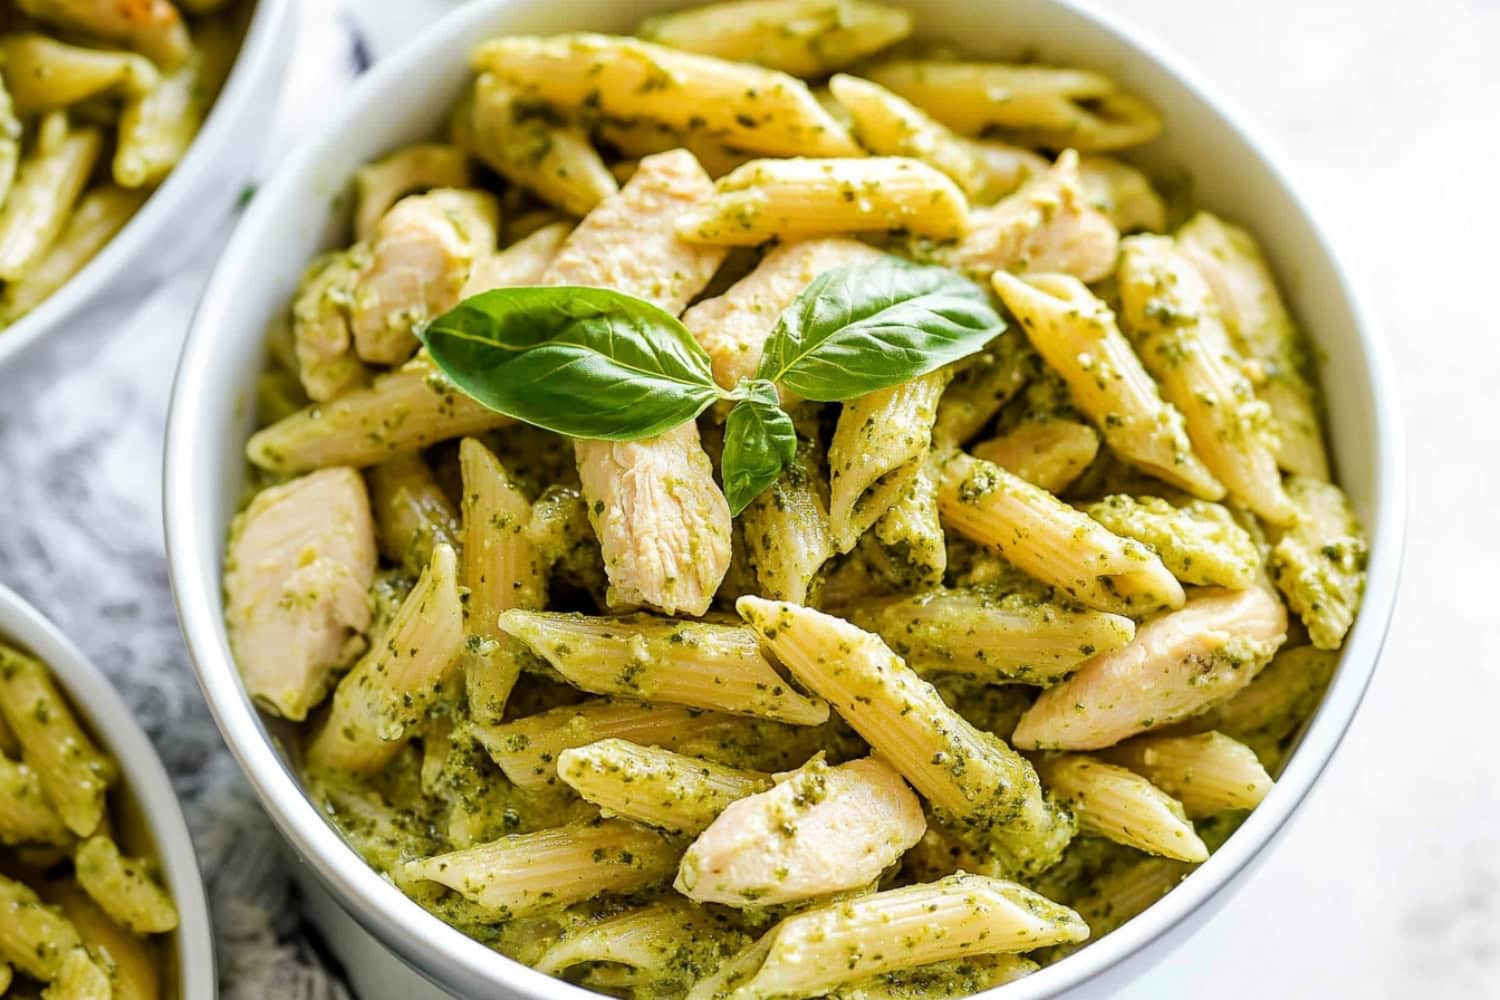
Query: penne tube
(1177, 666)
(907, 543)
(1048, 454)
(668, 943)
(1121, 805)
(44, 74)
(1319, 562)
(530, 873)
(34, 937)
(1274, 704)
(528, 148)
(888, 125)
(879, 446)
(1170, 314)
(409, 170)
(1051, 541)
(653, 786)
(1028, 105)
(324, 344)
(1047, 225)
(1263, 330)
(502, 568)
(157, 126)
(787, 537)
(49, 180)
(981, 386)
(799, 198)
(74, 772)
(124, 957)
(638, 138)
(1200, 542)
(524, 262)
(99, 215)
(25, 816)
(1120, 894)
(402, 412)
(816, 951)
(808, 38)
(123, 887)
(697, 664)
(992, 635)
(79, 978)
(972, 779)
(734, 327)
(412, 513)
(1075, 332)
(1123, 193)
(952, 980)
(1208, 773)
(379, 704)
(154, 29)
(758, 110)
(821, 830)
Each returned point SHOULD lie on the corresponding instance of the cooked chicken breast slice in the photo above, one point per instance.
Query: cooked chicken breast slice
(320, 324)
(1177, 666)
(153, 27)
(662, 522)
(821, 830)
(420, 258)
(300, 562)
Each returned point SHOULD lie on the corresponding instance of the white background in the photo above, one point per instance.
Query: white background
(1388, 884)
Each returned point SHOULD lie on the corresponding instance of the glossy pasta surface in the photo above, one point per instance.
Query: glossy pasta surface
(1005, 651)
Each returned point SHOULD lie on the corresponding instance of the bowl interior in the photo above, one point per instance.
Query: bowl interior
(150, 820)
(405, 98)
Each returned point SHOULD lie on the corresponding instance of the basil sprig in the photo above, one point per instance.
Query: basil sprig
(596, 363)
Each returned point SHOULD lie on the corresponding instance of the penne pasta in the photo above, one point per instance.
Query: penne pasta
(44, 74)
(1176, 666)
(74, 773)
(970, 778)
(655, 787)
(1075, 332)
(888, 125)
(1273, 705)
(409, 170)
(157, 126)
(25, 816)
(1208, 773)
(1116, 803)
(665, 944)
(716, 667)
(324, 345)
(1028, 105)
(34, 937)
(758, 110)
(800, 198)
(555, 161)
(802, 37)
(907, 545)
(1263, 330)
(1123, 193)
(981, 386)
(1048, 454)
(637, 138)
(402, 412)
(155, 29)
(48, 182)
(1199, 542)
(992, 635)
(816, 951)
(1319, 563)
(952, 980)
(98, 216)
(123, 887)
(879, 446)
(534, 872)
(1170, 314)
(412, 513)
(378, 705)
(124, 957)
(787, 536)
(1000, 168)
(1051, 541)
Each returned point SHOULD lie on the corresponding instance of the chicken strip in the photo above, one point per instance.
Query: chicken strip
(1177, 666)
(662, 522)
(822, 830)
(420, 258)
(301, 559)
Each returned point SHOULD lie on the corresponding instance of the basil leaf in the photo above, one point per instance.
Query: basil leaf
(759, 440)
(586, 362)
(869, 326)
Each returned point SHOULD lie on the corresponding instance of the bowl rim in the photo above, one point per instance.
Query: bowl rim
(262, 51)
(142, 773)
(421, 939)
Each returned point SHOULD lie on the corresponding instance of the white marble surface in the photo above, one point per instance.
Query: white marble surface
(1388, 885)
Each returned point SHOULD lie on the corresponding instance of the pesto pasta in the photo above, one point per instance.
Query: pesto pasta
(745, 540)
(98, 102)
(78, 916)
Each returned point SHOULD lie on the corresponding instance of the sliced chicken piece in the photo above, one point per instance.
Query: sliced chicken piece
(150, 26)
(420, 258)
(1048, 226)
(320, 324)
(1177, 666)
(300, 562)
(524, 262)
(733, 328)
(663, 525)
(822, 830)
(662, 522)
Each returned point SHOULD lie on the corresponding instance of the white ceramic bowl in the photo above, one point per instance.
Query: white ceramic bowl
(144, 785)
(405, 98)
(200, 190)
